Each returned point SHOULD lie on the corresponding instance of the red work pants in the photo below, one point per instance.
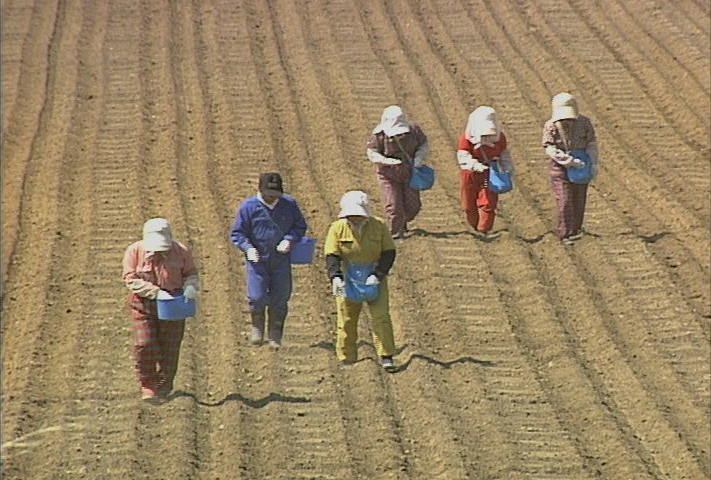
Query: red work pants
(478, 202)
(157, 346)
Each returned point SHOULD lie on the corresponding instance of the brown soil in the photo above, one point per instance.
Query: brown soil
(519, 358)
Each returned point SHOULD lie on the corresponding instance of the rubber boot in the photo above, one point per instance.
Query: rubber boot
(257, 336)
(276, 330)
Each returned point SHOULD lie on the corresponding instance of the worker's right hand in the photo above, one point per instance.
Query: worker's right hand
(338, 287)
(252, 255)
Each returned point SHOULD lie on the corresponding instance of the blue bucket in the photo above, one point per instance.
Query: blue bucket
(175, 308)
(303, 250)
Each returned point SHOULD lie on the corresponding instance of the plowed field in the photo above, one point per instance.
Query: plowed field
(520, 358)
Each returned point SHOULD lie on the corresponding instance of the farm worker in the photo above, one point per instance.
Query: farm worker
(358, 237)
(155, 263)
(565, 131)
(396, 146)
(265, 227)
(482, 143)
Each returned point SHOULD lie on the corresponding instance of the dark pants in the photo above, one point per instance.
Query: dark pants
(269, 287)
(570, 199)
(402, 203)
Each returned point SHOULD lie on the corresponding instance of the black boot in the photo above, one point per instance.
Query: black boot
(276, 328)
(258, 319)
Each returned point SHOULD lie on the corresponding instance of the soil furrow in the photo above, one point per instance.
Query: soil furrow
(24, 120)
(631, 49)
(26, 305)
(671, 48)
(16, 18)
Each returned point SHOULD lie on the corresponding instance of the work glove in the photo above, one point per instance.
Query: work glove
(576, 163)
(466, 164)
(190, 293)
(338, 287)
(372, 280)
(163, 295)
(252, 255)
(143, 288)
(284, 246)
(479, 167)
(417, 162)
(465, 160)
(376, 157)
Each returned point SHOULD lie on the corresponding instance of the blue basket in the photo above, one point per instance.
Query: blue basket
(175, 308)
(303, 250)
(356, 289)
(499, 182)
(581, 175)
(423, 178)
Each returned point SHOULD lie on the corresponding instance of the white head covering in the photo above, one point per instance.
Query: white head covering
(157, 236)
(393, 122)
(482, 121)
(564, 106)
(356, 203)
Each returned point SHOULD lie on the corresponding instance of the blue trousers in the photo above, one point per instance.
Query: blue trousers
(269, 285)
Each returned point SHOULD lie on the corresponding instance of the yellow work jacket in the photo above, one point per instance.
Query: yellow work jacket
(353, 247)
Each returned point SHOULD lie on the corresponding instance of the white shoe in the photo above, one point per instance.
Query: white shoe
(388, 364)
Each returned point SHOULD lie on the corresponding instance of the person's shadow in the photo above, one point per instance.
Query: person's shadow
(414, 357)
(236, 397)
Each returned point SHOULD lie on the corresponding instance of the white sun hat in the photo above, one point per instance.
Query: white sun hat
(482, 121)
(392, 122)
(157, 236)
(354, 203)
(564, 107)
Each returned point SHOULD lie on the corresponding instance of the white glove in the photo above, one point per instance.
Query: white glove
(558, 155)
(163, 295)
(576, 163)
(143, 288)
(252, 255)
(391, 161)
(190, 293)
(479, 167)
(465, 160)
(284, 246)
(417, 162)
(372, 280)
(338, 287)
(376, 157)
(466, 164)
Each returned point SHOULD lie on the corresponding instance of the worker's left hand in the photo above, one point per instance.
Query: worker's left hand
(284, 246)
(372, 280)
(190, 293)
